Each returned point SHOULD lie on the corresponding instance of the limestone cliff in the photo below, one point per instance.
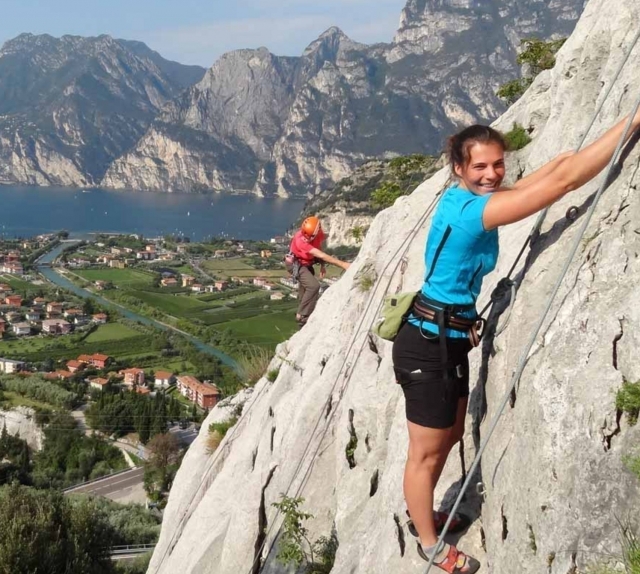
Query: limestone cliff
(295, 126)
(22, 421)
(554, 478)
(69, 106)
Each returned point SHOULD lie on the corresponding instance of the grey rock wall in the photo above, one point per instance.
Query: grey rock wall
(22, 421)
(70, 106)
(554, 477)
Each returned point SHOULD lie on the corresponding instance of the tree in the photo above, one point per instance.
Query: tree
(40, 531)
(88, 307)
(539, 55)
(164, 453)
(295, 548)
(535, 56)
(163, 450)
(386, 195)
(144, 426)
(194, 413)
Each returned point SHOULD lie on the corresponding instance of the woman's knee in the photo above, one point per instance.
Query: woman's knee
(424, 458)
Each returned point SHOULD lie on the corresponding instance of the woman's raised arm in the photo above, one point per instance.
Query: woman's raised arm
(571, 173)
(545, 170)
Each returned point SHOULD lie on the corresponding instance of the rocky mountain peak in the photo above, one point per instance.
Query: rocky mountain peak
(329, 45)
(71, 105)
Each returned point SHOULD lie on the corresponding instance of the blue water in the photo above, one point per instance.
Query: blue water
(27, 211)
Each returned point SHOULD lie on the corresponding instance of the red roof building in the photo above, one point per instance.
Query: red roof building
(133, 377)
(204, 395)
(13, 300)
(74, 366)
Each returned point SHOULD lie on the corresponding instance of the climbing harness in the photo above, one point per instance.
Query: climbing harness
(525, 354)
(448, 317)
(292, 265)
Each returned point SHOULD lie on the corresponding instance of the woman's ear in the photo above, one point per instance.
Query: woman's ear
(457, 168)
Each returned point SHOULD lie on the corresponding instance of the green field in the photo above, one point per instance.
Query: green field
(264, 330)
(119, 277)
(111, 331)
(20, 286)
(26, 345)
(239, 268)
(114, 339)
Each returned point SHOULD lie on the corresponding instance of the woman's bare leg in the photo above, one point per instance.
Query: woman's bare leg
(428, 451)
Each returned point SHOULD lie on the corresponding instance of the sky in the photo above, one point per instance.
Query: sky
(199, 31)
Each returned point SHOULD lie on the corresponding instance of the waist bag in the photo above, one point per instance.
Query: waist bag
(395, 311)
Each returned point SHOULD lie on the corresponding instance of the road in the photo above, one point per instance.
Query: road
(194, 263)
(119, 487)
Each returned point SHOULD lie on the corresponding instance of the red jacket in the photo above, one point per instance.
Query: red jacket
(300, 247)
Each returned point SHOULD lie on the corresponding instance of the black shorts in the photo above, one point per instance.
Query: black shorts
(431, 401)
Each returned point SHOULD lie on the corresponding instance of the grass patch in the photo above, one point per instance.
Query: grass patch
(61, 349)
(628, 400)
(239, 268)
(272, 375)
(367, 279)
(264, 330)
(217, 432)
(517, 138)
(15, 400)
(119, 277)
(630, 555)
(176, 305)
(253, 363)
(111, 331)
(633, 464)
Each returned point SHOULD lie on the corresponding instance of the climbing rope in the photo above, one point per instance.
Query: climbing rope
(525, 355)
(400, 263)
(571, 213)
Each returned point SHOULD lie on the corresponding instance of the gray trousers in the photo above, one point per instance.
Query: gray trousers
(308, 291)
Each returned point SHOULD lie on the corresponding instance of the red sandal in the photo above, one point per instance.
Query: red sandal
(459, 523)
(456, 562)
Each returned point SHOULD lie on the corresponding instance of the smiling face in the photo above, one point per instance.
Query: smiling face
(484, 171)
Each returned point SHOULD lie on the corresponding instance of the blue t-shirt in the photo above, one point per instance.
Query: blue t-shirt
(459, 253)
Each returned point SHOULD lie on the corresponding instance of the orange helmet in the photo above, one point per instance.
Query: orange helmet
(310, 227)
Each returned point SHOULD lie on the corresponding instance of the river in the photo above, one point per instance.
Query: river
(46, 271)
(28, 211)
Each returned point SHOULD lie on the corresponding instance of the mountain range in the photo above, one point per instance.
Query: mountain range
(113, 113)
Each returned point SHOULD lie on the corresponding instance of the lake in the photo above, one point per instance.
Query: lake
(27, 211)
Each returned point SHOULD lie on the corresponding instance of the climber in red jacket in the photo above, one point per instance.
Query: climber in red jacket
(305, 247)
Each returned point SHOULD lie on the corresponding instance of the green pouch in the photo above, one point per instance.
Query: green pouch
(395, 310)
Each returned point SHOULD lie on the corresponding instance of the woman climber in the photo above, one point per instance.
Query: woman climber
(430, 351)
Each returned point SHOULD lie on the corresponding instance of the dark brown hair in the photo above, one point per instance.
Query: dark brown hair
(459, 146)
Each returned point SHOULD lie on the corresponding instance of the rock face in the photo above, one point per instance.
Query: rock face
(70, 106)
(22, 421)
(553, 474)
(295, 126)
